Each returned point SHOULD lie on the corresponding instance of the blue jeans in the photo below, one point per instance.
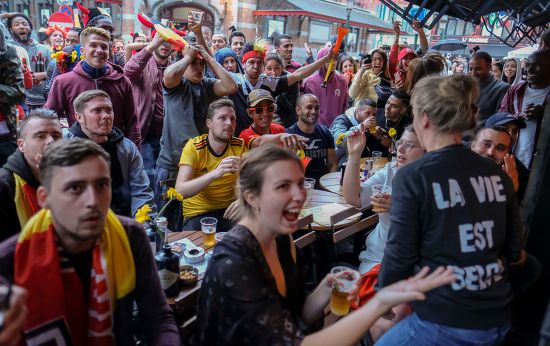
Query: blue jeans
(150, 149)
(415, 331)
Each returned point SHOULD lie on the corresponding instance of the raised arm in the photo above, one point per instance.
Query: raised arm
(416, 26)
(135, 65)
(225, 85)
(195, 27)
(351, 189)
(308, 70)
(174, 72)
(134, 46)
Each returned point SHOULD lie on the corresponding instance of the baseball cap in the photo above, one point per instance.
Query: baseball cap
(404, 52)
(503, 118)
(258, 95)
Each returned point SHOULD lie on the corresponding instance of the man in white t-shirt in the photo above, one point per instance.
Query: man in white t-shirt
(527, 100)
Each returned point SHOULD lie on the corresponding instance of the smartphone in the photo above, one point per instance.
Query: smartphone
(368, 59)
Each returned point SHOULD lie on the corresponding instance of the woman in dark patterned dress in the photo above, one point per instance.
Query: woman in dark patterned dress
(253, 291)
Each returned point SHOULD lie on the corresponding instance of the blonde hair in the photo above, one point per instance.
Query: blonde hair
(449, 102)
(92, 30)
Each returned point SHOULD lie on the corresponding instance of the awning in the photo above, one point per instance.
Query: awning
(329, 11)
(497, 51)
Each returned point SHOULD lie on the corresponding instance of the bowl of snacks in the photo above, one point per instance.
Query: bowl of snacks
(188, 275)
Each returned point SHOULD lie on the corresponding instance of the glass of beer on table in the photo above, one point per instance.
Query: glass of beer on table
(309, 185)
(346, 279)
(208, 227)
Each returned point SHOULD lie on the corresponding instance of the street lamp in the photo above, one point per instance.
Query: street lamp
(349, 7)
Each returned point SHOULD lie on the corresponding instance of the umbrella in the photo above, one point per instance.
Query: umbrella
(449, 45)
(522, 52)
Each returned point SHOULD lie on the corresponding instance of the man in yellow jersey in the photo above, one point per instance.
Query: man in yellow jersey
(208, 168)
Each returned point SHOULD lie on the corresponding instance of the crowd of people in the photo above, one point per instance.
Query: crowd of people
(93, 127)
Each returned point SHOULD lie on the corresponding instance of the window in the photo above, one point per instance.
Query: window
(451, 27)
(319, 32)
(275, 25)
(460, 27)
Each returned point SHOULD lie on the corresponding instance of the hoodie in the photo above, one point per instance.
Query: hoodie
(8, 212)
(334, 98)
(66, 87)
(129, 182)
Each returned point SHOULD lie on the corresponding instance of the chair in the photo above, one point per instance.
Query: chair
(341, 234)
(307, 238)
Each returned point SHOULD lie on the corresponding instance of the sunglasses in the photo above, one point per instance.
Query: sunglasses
(260, 110)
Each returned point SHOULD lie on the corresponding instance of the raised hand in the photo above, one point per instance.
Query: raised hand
(356, 140)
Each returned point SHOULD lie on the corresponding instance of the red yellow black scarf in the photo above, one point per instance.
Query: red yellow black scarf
(56, 304)
(25, 200)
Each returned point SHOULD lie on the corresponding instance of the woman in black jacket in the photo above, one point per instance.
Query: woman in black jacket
(457, 209)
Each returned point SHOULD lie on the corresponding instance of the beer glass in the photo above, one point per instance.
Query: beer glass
(346, 278)
(309, 185)
(208, 227)
(380, 190)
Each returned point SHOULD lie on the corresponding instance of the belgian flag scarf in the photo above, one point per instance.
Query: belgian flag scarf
(57, 307)
(25, 200)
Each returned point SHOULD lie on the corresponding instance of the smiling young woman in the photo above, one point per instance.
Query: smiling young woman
(253, 290)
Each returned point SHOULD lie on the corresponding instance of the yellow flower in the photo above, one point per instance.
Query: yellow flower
(173, 194)
(74, 54)
(340, 139)
(142, 214)
(301, 154)
(392, 132)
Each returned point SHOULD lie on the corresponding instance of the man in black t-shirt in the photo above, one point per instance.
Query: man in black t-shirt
(321, 143)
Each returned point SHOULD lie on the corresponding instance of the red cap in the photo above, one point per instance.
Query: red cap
(404, 52)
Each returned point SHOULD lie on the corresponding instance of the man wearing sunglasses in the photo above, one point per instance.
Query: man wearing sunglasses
(261, 106)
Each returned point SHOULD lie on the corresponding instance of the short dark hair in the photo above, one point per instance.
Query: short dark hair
(66, 153)
(365, 102)
(274, 56)
(38, 113)
(481, 55)
(498, 128)
(217, 105)
(277, 39)
(236, 34)
(22, 15)
(79, 103)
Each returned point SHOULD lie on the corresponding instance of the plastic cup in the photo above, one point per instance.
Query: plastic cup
(380, 190)
(309, 185)
(197, 15)
(346, 279)
(208, 227)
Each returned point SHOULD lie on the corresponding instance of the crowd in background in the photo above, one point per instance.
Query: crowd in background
(459, 132)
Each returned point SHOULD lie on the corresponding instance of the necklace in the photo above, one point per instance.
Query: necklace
(398, 121)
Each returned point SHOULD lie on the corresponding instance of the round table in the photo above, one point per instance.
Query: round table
(331, 181)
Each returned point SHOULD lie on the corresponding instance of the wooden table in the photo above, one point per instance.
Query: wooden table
(184, 303)
(331, 181)
(320, 198)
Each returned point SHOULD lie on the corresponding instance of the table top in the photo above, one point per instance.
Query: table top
(331, 181)
(332, 204)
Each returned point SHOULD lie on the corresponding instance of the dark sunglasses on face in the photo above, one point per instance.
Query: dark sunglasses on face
(260, 110)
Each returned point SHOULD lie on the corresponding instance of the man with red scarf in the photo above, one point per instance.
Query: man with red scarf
(96, 265)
